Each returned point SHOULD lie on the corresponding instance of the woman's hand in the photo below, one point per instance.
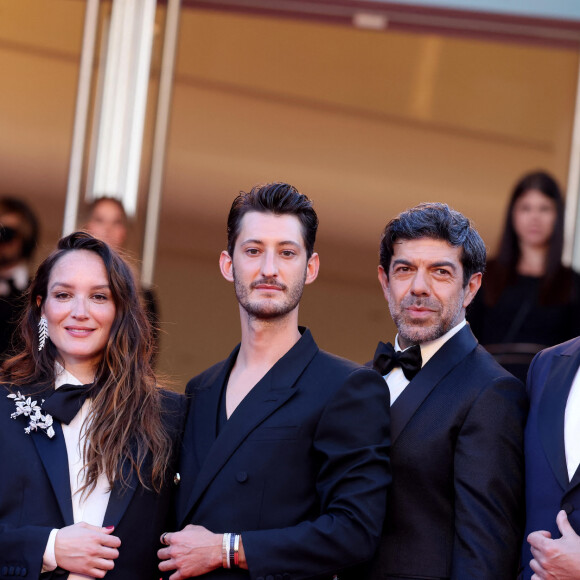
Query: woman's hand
(86, 549)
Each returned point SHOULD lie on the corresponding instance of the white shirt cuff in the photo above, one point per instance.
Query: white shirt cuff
(49, 559)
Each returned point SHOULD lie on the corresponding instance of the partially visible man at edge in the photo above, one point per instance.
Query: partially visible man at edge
(552, 443)
(285, 458)
(456, 503)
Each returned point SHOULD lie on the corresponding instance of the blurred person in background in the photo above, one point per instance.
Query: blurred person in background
(107, 220)
(19, 231)
(528, 299)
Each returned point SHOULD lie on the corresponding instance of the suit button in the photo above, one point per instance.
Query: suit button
(176, 479)
(11, 571)
(4, 570)
(241, 477)
(568, 508)
(17, 571)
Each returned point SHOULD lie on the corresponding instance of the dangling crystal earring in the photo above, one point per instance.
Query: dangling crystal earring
(42, 332)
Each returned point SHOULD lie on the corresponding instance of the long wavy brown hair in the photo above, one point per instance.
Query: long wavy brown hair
(124, 426)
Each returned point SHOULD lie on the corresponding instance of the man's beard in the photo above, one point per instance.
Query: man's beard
(413, 332)
(267, 309)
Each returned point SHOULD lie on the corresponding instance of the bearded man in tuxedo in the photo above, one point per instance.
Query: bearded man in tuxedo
(456, 502)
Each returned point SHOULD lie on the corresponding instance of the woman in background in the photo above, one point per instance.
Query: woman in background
(87, 437)
(528, 299)
(107, 220)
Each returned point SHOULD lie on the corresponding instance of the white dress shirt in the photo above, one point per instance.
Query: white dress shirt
(20, 278)
(396, 379)
(572, 427)
(89, 508)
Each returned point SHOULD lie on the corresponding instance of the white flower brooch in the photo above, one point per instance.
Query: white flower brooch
(26, 407)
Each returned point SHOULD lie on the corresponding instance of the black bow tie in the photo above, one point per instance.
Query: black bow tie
(66, 401)
(386, 359)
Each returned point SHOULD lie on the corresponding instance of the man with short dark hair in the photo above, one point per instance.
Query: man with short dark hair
(284, 464)
(456, 503)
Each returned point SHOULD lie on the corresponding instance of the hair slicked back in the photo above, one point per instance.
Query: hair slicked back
(437, 221)
(277, 198)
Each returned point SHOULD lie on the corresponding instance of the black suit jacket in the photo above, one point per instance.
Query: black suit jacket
(456, 502)
(35, 497)
(300, 468)
(548, 487)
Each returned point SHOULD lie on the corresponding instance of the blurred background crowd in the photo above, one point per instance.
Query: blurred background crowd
(367, 107)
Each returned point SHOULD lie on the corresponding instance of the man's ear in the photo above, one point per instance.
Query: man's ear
(312, 268)
(471, 289)
(383, 281)
(227, 266)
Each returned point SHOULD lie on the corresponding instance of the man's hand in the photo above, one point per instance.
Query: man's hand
(556, 559)
(192, 552)
(86, 549)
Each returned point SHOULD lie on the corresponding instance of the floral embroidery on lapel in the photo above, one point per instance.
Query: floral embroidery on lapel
(26, 407)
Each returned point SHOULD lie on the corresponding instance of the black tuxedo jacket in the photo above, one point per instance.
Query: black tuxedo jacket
(457, 499)
(300, 468)
(35, 497)
(548, 487)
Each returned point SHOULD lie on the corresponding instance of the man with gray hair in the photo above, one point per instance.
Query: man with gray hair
(456, 503)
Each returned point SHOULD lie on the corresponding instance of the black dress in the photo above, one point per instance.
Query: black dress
(521, 323)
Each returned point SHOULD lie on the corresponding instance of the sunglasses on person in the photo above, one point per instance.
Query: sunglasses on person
(7, 234)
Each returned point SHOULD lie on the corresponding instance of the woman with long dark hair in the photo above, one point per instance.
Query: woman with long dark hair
(529, 300)
(87, 436)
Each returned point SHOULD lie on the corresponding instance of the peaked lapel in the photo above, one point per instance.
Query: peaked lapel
(447, 357)
(270, 393)
(551, 411)
(207, 404)
(52, 452)
(120, 497)
(200, 428)
(54, 457)
(575, 479)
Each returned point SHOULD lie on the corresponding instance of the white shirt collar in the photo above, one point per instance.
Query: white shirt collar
(572, 427)
(19, 275)
(64, 377)
(428, 349)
